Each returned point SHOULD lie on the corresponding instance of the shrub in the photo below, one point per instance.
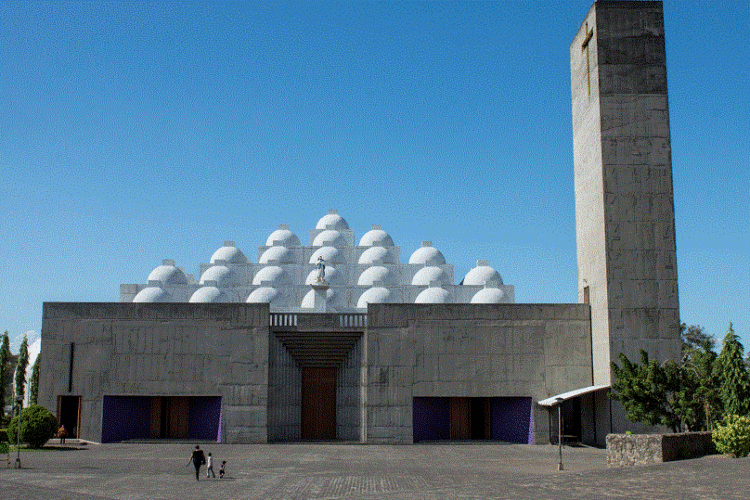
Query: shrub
(38, 425)
(3, 435)
(733, 436)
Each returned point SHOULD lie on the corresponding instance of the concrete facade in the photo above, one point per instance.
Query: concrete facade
(627, 266)
(241, 353)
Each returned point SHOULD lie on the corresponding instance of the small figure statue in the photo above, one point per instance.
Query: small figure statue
(321, 265)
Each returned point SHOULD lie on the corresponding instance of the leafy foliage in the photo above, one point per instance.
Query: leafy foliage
(648, 391)
(693, 337)
(23, 363)
(5, 357)
(732, 373)
(38, 425)
(700, 400)
(734, 436)
(690, 395)
(34, 383)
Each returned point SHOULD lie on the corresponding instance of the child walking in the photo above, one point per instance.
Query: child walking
(222, 471)
(210, 467)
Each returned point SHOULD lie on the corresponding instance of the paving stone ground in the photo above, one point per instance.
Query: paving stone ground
(151, 471)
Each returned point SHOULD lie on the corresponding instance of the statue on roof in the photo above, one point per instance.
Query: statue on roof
(321, 265)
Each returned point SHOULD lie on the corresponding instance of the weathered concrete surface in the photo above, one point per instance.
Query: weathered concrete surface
(625, 228)
(159, 349)
(471, 350)
(312, 472)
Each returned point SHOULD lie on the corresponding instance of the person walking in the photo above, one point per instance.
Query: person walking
(62, 433)
(198, 459)
(210, 466)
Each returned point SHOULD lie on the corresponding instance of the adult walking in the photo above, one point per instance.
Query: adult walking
(198, 459)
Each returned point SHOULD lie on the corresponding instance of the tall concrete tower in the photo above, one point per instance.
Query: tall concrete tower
(627, 267)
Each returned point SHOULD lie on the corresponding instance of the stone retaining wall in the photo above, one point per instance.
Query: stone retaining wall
(640, 449)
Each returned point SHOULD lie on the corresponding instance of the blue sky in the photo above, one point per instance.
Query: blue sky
(133, 132)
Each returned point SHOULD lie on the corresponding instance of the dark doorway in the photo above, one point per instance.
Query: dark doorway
(69, 414)
(499, 419)
(318, 403)
(571, 417)
(480, 418)
(161, 417)
(470, 418)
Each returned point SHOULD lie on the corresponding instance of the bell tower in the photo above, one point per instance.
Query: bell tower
(625, 230)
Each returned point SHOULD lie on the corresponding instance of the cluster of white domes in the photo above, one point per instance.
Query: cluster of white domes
(356, 275)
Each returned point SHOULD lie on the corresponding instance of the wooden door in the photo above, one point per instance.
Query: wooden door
(460, 415)
(318, 403)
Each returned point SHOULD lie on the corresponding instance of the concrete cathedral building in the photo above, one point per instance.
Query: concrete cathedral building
(337, 341)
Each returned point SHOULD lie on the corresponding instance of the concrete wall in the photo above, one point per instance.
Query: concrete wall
(159, 349)
(466, 350)
(623, 179)
(284, 394)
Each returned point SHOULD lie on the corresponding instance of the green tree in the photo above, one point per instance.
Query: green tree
(693, 337)
(38, 425)
(4, 369)
(649, 391)
(732, 374)
(699, 400)
(23, 363)
(34, 383)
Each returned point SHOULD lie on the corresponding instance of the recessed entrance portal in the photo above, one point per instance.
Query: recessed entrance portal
(318, 403)
(499, 419)
(161, 417)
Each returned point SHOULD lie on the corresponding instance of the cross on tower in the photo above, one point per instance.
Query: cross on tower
(585, 46)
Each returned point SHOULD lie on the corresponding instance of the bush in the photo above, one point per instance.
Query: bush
(3, 435)
(38, 425)
(733, 436)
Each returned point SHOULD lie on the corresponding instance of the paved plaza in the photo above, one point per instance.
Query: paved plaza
(149, 471)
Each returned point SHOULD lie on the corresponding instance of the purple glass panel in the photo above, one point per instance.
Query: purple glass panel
(430, 419)
(125, 417)
(511, 420)
(204, 418)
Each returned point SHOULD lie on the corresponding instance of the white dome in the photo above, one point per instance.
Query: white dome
(428, 274)
(281, 255)
(153, 294)
(372, 274)
(376, 295)
(376, 254)
(433, 295)
(229, 253)
(332, 276)
(376, 238)
(488, 296)
(308, 302)
(283, 237)
(329, 254)
(427, 255)
(263, 295)
(168, 274)
(274, 274)
(482, 275)
(222, 275)
(209, 294)
(332, 219)
(329, 238)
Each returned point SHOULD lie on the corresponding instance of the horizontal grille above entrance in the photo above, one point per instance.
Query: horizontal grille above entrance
(318, 349)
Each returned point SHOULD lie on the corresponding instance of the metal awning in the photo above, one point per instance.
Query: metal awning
(571, 394)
